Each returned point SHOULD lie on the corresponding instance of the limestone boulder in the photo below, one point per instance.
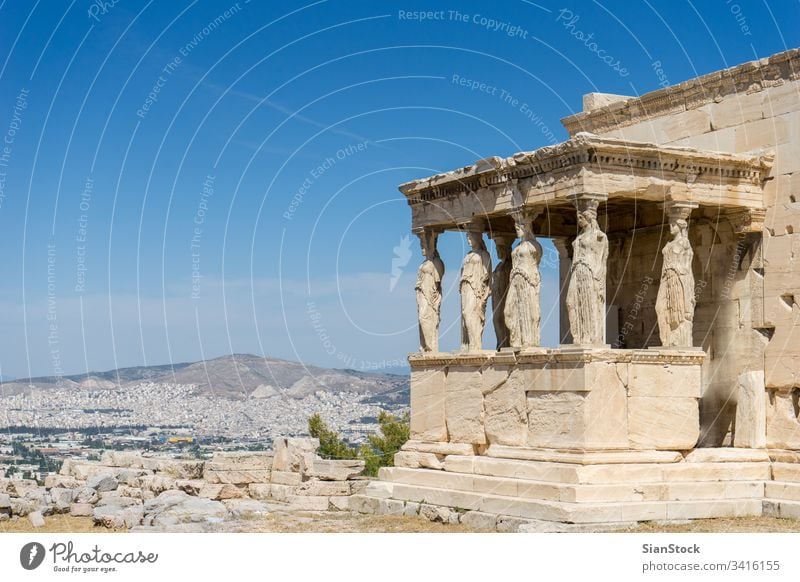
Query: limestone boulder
(101, 482)
(118, 512)
(289, 453)
(81, 509)
(176, 507)
(36, 519)
(220, 491)
(334, 469)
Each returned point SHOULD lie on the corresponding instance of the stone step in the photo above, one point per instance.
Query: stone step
(781, 508)
(584, 457)
(572, 493)
(789, 472)
(578, 512)
(782, 490)
(609, 473)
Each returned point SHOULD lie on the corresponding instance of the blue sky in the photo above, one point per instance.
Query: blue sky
(190, 179)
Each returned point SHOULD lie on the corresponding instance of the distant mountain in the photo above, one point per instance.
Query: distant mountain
(238, 376)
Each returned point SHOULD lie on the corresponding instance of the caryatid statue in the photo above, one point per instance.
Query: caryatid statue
(429, 292)
(476, 271)
(522, 310)
(676, 301)
(500, 280)
(586, 296)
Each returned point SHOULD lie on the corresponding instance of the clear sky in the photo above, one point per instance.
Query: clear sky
(184, 180)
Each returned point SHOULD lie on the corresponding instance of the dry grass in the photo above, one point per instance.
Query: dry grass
(344, 522)
(53, 524)
(723, 525)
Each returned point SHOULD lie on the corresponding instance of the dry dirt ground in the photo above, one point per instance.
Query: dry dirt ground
(355, 523)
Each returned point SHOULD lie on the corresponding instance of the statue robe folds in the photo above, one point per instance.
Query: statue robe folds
(475, 290)
(586, 297)
(429, 301)
(675, 302)
(522, 310)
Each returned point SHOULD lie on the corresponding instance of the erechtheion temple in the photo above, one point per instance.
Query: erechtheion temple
(674, 391)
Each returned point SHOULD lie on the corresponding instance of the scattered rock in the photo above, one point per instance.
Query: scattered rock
(80, 509)
(102, 482)
(36, 519)
(175, 507)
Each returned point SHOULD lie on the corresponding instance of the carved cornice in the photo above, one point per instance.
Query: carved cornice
(743, 79)
(590, 153)
(542, 357)
(749, 220)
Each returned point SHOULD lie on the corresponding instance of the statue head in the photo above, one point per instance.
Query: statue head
(679, 227)
(475, 240)
(587, 218)
(427, 242)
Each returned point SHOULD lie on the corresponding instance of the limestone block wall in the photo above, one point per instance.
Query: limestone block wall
(751, 108)
(611, 400)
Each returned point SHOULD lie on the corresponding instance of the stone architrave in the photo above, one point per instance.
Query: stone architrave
(500, 282)
(522, 311)
(586, 296)
(429, 292)
(676, 301)
(475, 289)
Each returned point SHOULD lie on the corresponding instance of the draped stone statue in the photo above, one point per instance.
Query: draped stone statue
(500, 280)
(522, 311)
(586, 296)
(475, 290)
(429, 293)
(676, 301)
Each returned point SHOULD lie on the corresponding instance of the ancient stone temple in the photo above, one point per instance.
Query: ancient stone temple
(674, 391)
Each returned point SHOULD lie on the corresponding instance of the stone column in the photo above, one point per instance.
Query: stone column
(475, 288)
(676, 301)
(522, 310)
(586, 295)
(429, 291)
(500, 278)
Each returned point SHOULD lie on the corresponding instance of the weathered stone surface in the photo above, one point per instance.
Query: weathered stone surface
(505, 404)
(176, 507)
(584, 457)
(435, 513)
(464, 412)
(233, 461)
(189, 486)
(119, 512)
(259, 490)
(783, 423)
(671, 381)
(290, 452)
(339, 503)
(5, 503)
(308, 502)
(36, 519)
(663, 423)
(751, 411)
(20, 487)
(784, 456)
(235, 477)
(439, 448)
(478, 520)
(81, 509)
(87, 495)
(57, 480)
(428, 404)
(379, 489)
(156, 483)
(786, 472)
(324, 488)
(177, 469)
(246, 508)
(727, 455)
(333, 470)
(220, 491)
(286, 478)
(62, 498)
(102, 482)
(415, 460)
